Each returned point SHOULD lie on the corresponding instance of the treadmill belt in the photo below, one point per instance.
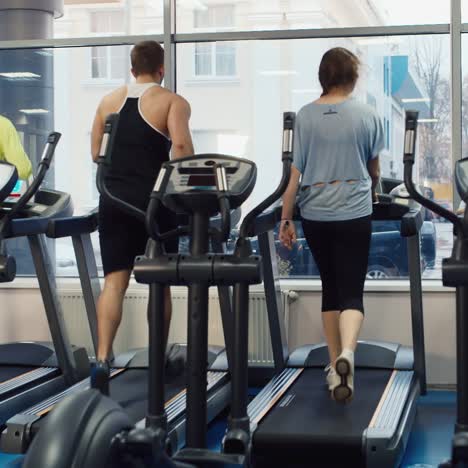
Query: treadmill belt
(19, 354)
(10, 372)
(130, 390)
(308, 428)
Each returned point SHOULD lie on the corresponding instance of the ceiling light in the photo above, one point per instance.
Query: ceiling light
(428, 120)
(19, 75)
(45, 53)
(421, 99)
(34, 111)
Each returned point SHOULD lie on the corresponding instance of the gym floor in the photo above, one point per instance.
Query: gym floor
(429, 443)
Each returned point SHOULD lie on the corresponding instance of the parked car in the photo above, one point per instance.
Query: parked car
(388, 257)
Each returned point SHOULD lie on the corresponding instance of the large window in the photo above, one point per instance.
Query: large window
(61, 90)
(309, 14)
(238, 83)
(274, 76)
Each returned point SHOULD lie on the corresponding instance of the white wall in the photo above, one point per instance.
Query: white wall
(387, 318)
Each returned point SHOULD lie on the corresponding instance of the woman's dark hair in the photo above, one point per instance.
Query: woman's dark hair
(147, 58)
(339, 68)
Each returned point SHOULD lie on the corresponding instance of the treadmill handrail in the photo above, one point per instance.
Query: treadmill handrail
(289, 119)
(408, 162)
(74, 225)
(63, 207)
(44, 165)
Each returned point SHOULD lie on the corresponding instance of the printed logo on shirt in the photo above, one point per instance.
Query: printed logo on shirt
(330, 111)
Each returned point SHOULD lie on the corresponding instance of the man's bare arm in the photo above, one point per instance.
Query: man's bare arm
(178, 127)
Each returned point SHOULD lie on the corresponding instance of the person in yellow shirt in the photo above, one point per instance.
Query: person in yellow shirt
(11, 149)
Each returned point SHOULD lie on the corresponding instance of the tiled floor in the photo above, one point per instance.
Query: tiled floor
(429, 443)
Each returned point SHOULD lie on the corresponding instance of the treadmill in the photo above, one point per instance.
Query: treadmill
(129, 372)
(31, 371)
(294, 422)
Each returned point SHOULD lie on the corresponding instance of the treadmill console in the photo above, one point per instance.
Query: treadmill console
(396, 205)
(191, 183)
(401, 196)
(8, 180)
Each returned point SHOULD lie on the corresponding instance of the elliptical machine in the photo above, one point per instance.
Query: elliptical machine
(454, 274)
(102, 435)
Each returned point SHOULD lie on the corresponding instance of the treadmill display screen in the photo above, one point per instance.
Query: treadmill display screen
(17, 187)
(205, 180)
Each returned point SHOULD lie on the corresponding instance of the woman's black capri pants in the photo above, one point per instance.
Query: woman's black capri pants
(340, 250)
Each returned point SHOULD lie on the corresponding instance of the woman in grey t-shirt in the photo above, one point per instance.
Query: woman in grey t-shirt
(335, 171)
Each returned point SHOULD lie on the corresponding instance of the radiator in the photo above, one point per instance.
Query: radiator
(133, 332)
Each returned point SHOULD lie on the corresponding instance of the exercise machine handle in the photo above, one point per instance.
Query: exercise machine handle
(44, 164)
(411, 125)
(104, 162)
(224, 205)
(289, 119)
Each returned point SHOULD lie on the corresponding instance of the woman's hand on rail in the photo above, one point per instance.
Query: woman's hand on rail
(287, 233)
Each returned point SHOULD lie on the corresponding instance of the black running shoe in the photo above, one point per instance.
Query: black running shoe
(175, 362)
(100, 373)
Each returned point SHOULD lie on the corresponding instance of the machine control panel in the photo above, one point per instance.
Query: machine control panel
(190, 183)
(197, 173)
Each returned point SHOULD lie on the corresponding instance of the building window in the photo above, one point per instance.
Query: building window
(108, 63)
(107, 22)
(214, 16)
(215, 59)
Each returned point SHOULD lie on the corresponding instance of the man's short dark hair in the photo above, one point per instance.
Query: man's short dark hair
(339, 68)
(147, 58)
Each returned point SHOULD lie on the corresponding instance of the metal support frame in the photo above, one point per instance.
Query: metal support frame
(169, 46)
(53, 309)
(456, 87)
(462, 358)
(417, 316)
(325, 33)
(225, 304)
(89, 280)
(197, 340)
(279, 340)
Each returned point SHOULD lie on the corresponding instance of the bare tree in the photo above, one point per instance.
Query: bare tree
(434, 136)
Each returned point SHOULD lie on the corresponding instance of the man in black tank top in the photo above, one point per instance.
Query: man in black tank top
(152, 121)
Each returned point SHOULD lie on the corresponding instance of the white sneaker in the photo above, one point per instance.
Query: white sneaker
(333, 379)
(344, 367)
